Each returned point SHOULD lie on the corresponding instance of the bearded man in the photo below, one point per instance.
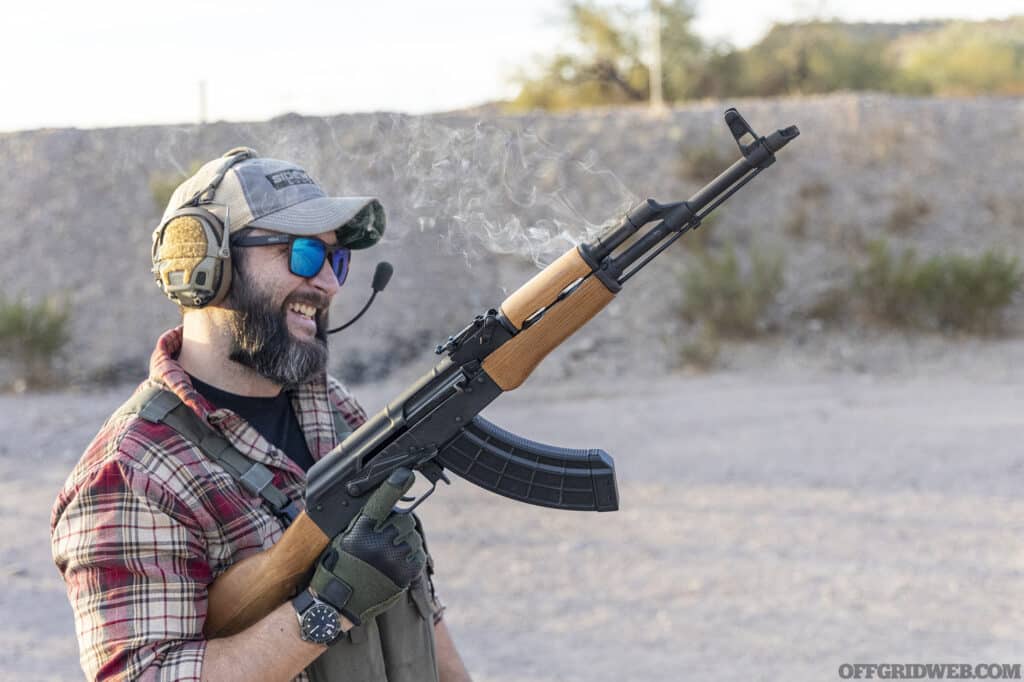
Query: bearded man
(206, 463)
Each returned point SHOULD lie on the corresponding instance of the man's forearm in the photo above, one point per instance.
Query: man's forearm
(450, 667)
(270, 649)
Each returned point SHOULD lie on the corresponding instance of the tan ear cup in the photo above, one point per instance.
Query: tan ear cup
(187, 265)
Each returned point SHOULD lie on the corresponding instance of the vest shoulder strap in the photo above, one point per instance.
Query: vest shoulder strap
(160, 406)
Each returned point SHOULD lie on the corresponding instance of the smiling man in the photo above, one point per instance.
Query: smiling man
(173, 490)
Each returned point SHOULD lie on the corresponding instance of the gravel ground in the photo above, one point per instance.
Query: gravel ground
(772, 526)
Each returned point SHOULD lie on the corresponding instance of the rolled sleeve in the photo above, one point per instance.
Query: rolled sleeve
(136, 577)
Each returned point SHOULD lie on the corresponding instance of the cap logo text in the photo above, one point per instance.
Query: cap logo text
(286, 178)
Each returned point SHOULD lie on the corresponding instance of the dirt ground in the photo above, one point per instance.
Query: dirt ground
(771, 528)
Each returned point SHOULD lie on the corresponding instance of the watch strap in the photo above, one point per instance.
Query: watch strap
(302, 601)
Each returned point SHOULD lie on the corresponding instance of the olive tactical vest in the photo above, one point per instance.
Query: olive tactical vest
(395, 646)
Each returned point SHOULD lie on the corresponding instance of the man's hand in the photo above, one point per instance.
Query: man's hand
(367, 567)
(363, 571)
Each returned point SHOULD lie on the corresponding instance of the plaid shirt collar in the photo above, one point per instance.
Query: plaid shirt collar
(310, 402)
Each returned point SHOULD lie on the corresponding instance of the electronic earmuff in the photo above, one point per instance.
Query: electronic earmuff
(191, 253)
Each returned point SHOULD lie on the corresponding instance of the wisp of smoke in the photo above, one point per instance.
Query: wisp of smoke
(504, 189)
(496, 185)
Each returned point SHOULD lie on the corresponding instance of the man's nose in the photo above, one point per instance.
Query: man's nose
(326, 280)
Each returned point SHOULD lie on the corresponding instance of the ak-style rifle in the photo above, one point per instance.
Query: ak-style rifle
(435, 425)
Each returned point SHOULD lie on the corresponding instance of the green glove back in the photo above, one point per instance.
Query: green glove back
(367, 567)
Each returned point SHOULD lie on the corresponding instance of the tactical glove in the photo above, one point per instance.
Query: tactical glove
(368, 567)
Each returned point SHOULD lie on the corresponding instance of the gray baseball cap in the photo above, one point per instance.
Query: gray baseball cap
(279, 196)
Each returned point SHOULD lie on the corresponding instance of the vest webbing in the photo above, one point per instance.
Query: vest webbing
(397, 645)
(160, 406)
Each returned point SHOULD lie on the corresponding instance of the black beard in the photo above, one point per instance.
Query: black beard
(262, 342)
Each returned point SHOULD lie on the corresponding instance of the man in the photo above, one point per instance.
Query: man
(163, 501)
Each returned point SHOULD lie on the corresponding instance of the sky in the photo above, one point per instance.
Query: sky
(121, 62)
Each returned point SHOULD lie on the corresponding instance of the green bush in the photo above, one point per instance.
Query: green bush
(966, 58)
(948, 292)
(702, 350)
(33, 335)
(796, 224)
(808, 208)
(829, 306)
(603, 60)
(814, 57)
(705, 236)
(908, 212)
(704, 163)
(729, 298)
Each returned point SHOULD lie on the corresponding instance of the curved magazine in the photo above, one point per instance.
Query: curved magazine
(507, 464)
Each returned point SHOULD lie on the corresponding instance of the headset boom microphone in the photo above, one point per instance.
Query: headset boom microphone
(381, 277)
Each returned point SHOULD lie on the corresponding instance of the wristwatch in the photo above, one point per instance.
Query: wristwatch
(319, 622)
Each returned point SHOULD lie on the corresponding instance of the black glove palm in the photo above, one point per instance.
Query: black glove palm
(367, 568)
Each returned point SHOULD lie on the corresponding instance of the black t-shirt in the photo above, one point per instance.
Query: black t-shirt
(273, 417)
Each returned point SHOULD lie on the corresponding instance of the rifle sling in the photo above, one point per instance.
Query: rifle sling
(160, 406)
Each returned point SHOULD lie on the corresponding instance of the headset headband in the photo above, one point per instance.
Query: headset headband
(205, 195)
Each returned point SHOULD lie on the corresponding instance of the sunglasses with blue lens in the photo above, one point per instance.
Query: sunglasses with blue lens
(306, 255)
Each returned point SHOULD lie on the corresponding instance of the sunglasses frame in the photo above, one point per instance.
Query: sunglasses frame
(290, 239)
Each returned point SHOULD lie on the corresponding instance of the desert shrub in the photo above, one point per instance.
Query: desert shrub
(948, 292)
(808, 207)
(816, 56)
(706, 236)
(701, 350)
(814, 190)
(33, 335)
(796, 224)
(829, 305)
(972, 293)
(704, 163)
(908, 211)
(966, 58)
(732, 299)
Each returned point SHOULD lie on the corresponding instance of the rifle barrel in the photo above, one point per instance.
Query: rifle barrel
(676, 218)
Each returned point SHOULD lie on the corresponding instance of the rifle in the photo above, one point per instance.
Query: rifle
(435, 425)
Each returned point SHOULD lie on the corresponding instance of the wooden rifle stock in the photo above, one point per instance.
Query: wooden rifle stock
(258, 584)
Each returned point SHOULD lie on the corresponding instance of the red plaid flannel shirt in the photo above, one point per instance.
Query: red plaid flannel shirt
(145, 522)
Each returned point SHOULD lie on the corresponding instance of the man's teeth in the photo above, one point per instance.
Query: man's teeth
(303, 309)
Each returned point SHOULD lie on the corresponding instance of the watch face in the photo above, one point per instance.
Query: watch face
(320, 624)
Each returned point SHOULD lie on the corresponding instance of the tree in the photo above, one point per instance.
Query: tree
(683, 55)
(968, 58)
(815, 57)
(607, 61)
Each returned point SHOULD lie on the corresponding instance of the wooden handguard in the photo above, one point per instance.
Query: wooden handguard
(544, 287)
(258, 584)
(510, 364)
